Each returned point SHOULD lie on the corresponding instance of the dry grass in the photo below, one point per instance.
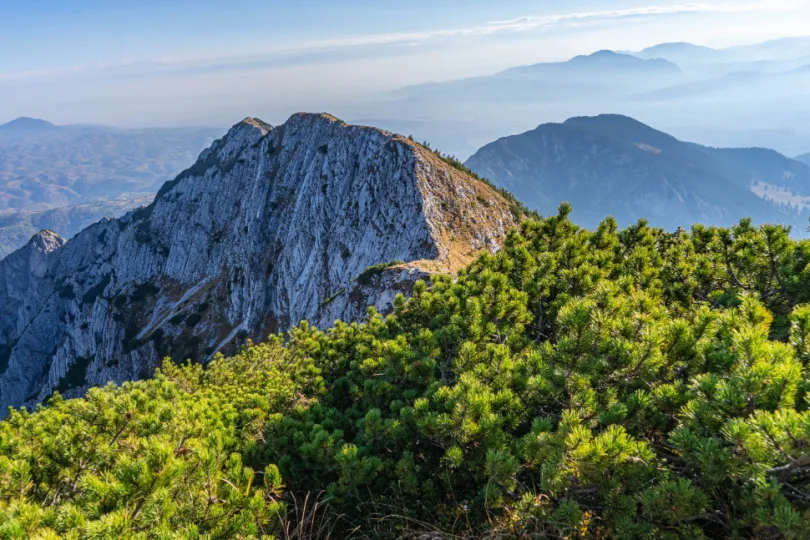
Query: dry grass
(309, 517)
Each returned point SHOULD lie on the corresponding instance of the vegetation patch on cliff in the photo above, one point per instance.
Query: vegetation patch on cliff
(332, 298)
(368, 274)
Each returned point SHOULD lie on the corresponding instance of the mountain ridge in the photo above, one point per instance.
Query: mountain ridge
(602, 59)
(270, 226)
(615, 164)
(605, 70)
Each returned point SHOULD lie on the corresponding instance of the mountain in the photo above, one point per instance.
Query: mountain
(612, 164)
(690, 56)
(679, 53)
(313, 219)
(602, 72)
(17, 227)
(754, 95)
(721, 84)
(775, 49)
(43, 166)
(804, 158)
(24, 124)
(605, 60)
(737, 86)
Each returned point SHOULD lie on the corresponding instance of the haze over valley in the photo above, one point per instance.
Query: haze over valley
(65, 178)
(739, 96)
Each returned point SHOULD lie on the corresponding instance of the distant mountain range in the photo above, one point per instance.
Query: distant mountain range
(44, 166)
(18, 226)
(804, 158)
(698, 61)
(754, 95)
(612, 164)
(601, 73)
(680, 53)
(685, 54)
(65, 178)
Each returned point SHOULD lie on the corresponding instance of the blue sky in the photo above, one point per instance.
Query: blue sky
(149, 62)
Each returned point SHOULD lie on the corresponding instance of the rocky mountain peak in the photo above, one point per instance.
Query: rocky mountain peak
(313, 219)
(46, 241)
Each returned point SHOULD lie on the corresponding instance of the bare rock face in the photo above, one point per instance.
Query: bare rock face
(270, 226)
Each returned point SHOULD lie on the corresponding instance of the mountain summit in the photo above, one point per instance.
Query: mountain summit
(313, 219)
(607, 59)
(613, 164)
(26, 124)
(594, 76)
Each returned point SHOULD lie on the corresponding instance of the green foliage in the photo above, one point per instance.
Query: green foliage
(168, 456)
(366, 275)
(332, 298)
(610, 383)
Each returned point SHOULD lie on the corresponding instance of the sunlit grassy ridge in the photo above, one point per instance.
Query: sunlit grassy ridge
(610, 383)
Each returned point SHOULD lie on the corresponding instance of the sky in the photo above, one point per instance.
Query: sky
(200, 62)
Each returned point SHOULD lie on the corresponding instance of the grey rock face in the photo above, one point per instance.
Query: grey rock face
(269, 227)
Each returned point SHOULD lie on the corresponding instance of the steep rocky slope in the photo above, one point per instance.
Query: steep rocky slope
(268, 227)
(612, 164)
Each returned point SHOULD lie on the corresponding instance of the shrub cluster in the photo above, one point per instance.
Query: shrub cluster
(604, 384)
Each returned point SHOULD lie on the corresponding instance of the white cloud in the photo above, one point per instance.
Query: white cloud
(521, 24)
(535, 22)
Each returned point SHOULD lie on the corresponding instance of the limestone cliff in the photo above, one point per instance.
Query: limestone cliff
(270, 226)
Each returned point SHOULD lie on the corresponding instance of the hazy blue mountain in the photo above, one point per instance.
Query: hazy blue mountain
(683, 54)
(604, 60)
(17, 227)
(775, 49)
(752, 85)
(688, 55)
(25, 124)
(804, 158)
(754, 95)
(693, 89)
(45, 166)
(612, 164)
(602, 73)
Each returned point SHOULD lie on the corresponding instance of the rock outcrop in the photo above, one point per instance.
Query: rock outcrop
(270, 226)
